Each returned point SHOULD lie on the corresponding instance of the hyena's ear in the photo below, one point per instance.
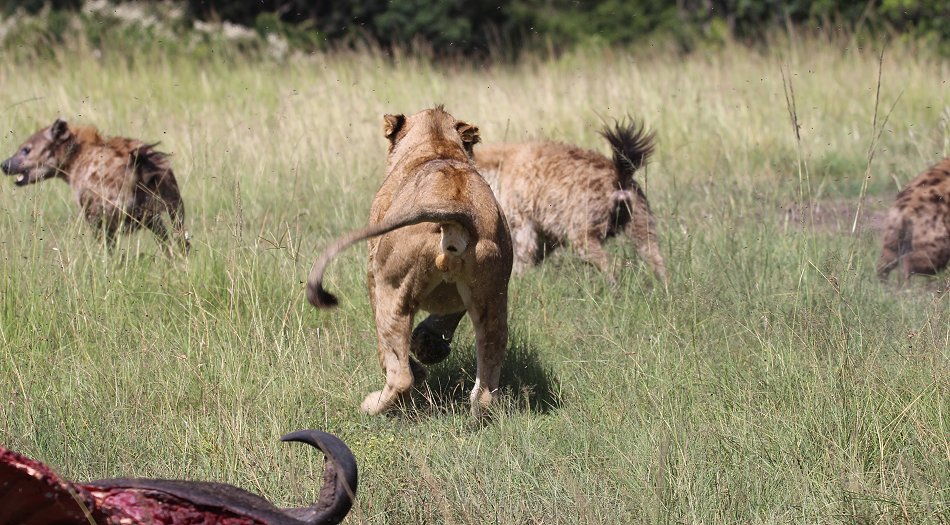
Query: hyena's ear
(59, 130)
(391, 126)
(469, 135)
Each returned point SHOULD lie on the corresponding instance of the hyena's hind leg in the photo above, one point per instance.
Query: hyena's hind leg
(175, 207)
(890, 257)
(109, 238)
(897, 244)
(526, 243)
(153, 219)
(928, 253)
(155, 173)
(642, 231)
(589, 245)
(156, 225)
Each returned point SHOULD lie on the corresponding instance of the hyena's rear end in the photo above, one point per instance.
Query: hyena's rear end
(120, 184)
(917, 228)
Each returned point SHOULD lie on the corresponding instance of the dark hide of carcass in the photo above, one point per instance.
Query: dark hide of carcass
(32, 494)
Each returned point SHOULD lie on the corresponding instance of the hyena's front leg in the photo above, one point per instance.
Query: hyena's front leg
(393, 330)
(105, 232)
(490, 319)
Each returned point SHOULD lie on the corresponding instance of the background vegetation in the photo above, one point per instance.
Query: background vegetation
(775, 381)
(502, 28)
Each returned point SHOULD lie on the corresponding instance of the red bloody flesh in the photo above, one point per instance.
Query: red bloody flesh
(124, 505)
(33, 494)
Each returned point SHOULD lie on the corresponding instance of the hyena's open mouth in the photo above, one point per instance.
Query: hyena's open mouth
(21, 175)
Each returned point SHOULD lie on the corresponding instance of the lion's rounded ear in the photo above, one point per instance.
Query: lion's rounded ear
(468, 133)
(58, 130)
(392, 124)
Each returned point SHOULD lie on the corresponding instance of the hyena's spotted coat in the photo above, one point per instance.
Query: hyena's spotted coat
(555, 194)
(917, 227)
(120, 183)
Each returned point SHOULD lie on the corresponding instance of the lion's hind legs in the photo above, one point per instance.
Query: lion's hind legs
(393, 330)
(490, 319)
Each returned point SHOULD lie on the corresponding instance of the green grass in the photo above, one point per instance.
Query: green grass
(776, 382)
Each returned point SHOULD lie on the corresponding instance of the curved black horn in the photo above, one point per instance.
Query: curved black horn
(339, 479)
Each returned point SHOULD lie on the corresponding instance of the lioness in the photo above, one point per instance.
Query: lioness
(917, 227)
(437, 242)
(555, 193)
(119, 183)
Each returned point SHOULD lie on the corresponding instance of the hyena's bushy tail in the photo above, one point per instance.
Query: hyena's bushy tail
(151, 165)
(438, 213)
(632, 145)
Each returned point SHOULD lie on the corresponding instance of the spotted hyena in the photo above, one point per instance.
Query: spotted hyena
(917, 227)
(557, 194)
(120, 183)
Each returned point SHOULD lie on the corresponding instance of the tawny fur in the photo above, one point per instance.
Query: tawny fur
(438, 242)
(555, 194)
(917, 226)
(120, 184)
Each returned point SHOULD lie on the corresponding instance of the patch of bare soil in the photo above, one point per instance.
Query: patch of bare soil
(835, 215)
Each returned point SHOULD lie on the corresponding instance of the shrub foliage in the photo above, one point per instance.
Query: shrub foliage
(477, 26)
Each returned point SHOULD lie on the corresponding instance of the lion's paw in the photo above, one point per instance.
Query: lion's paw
(481, 400)
(374, 404)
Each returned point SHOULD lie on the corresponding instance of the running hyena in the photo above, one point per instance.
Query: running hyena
(555, 194)
(120, 183)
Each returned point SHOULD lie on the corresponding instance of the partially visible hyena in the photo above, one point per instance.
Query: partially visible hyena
(120, 183)
(555, 194)
(917, 227)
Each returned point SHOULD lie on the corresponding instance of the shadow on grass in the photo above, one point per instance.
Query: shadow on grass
(525, 382)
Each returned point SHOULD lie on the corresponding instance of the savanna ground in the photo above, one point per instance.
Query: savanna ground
(776, 381)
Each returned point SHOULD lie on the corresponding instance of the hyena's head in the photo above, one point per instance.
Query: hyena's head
(42, 155)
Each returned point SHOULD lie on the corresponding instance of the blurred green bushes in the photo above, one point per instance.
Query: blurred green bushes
(505, 27)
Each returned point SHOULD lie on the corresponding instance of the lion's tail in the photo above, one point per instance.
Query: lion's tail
(632, 145)
(442, 213)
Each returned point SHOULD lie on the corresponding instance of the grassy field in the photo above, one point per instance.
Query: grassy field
(776, 381)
